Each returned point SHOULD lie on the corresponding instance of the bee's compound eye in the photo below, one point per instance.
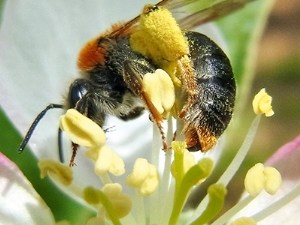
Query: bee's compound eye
(77, 90)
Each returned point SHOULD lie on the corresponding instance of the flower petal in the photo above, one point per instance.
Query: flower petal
(286, 161)
(40, 42)
(20, 203)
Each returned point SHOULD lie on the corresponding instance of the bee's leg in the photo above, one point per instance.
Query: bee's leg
(73, 156)
(134, 113)
(133, 77)
(60, 150)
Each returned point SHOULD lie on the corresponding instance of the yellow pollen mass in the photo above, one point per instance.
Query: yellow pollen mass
(159, 37)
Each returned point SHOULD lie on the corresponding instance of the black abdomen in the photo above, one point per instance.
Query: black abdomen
(210, 114)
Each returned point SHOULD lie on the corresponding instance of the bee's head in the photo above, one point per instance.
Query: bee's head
(83, 97)
(77, 90)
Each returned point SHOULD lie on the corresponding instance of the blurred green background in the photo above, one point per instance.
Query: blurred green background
(278, 70)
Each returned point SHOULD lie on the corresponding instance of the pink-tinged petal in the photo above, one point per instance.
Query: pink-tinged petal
(20, 203)
(286, 160)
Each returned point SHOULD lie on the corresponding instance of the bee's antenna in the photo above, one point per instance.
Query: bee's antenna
(60, 146)
(35, 123)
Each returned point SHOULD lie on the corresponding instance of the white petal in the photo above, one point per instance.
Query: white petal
(39, 43)
(286, 161)
(20, 203)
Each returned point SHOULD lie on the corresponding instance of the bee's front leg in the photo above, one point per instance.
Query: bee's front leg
(133, 77)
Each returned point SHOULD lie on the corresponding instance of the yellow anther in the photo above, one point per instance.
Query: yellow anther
(273, 181)
(111, 198)
(109, 161)
(262, 103)
(144, 177)
(56, 170)
(82, 130)
(160, 89)
(260, 178)
(121, 202)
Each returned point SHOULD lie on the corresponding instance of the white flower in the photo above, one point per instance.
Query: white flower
(39, 42)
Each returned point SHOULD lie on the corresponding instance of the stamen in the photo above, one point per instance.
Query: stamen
(140, 213)
(256, 180)
(273, 180)
(160, 89)
(121, 202)
(260, 178)
(82, 130)
(262, 103)
(185, 158)
(109, 161)
(144, 177)
(58, 171)
(94, 196)
(233, 211)
(195, 174)
(217, 194)
(234, 165)
(244, 221)
(241, 154)
(165, 191)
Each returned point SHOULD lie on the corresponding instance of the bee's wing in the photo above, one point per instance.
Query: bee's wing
(188, 13)
(192, 13)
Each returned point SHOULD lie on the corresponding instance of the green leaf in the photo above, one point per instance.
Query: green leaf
(62, 206)
(2, 2)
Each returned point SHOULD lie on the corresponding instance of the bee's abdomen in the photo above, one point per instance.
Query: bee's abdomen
(210, 111)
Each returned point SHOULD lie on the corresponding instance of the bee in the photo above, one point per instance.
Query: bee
(112, 72)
